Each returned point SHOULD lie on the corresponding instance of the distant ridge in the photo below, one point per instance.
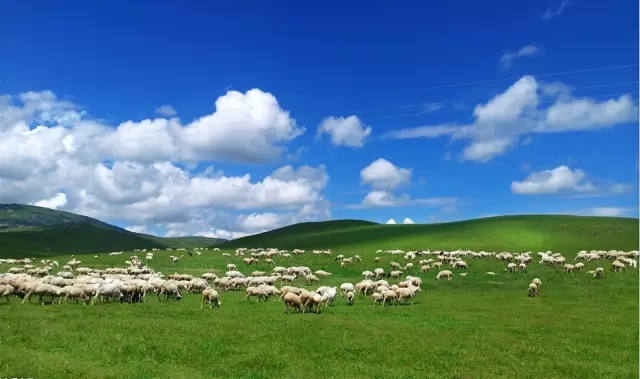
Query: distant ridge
(28, 230)
(502, 233)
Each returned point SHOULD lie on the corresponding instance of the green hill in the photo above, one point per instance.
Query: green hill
(187, 242)
(13, 216)
(504, 233)
(27, 230)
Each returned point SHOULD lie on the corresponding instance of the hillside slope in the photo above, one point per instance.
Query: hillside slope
(14, 216)
(512, 233)
(27, 230)
(72, 238)
(187, 242)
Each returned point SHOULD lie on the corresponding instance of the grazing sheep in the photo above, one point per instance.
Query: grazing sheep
(617, 266)
(511, 267)
(291, 300)
(350, 297)
(444, 274)
(346, 287)
(407, 293)
(76, 293)
(6, 290)
(43, 290)
(533, 290)
(599, 273)
(210, 296)
(537, 282)
(258, 292)
(377, 297)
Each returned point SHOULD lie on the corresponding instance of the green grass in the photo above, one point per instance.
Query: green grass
(472, 327)
(511, 233)
(27, 230)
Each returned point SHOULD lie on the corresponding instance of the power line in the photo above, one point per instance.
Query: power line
(479, 98)
(557, 73)
(96, 136)
(488, 81)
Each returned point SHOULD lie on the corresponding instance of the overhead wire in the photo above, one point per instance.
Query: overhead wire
(97, 136)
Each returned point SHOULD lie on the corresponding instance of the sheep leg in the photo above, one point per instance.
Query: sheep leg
(28, 296)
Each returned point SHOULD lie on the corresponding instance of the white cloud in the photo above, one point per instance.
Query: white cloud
(609, 211)
(563, 179)
(141, 173)
(384, 177)
(386, 199)
(408, 221)
(349, 131)
(556, 10)
(504, 121)
(391, 221)
(137, 229)
(508, 57)
(382, 174)
(382, 199)
(58, 200)
(166, 110)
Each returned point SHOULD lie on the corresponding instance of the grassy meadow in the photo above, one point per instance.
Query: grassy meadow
(476, 326)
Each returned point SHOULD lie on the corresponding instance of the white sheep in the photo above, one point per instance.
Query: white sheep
(350, 297)
(444, 274)
(212, 297)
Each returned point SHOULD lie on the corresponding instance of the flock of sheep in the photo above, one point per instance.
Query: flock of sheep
(133, 282)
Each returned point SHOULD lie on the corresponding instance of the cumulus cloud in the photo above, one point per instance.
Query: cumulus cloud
(382, 174)
(166, 110)
(385, 178)
(345, 131)
(504, 121)
(406, 221)
(508, 57)
(142, 173)
(563, 179)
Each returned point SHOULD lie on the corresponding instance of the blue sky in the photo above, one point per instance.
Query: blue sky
(396, 68)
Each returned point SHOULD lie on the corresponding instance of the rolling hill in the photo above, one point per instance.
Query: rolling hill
(27, 230)
(504, 233)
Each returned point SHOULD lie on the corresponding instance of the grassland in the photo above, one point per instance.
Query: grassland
(471, 327)
(509, 233)
(27, 230)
